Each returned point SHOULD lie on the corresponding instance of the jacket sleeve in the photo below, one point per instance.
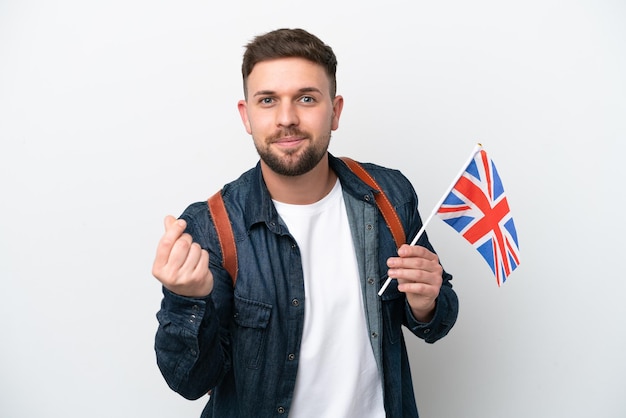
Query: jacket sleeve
(187, 344)
(447, 303)
(192, 341)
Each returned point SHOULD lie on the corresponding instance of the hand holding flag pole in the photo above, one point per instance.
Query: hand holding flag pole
(475, 206)
(434, 212)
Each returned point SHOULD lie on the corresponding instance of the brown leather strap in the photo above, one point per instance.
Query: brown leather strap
(384, 205)
(224, 234)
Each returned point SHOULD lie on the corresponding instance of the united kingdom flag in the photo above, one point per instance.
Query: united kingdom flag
(478, 209)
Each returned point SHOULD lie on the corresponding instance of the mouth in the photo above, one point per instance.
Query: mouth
(289, 141)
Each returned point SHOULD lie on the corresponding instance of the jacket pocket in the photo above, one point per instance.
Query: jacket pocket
(251, 319)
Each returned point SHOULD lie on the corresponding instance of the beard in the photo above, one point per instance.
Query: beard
(294, 162)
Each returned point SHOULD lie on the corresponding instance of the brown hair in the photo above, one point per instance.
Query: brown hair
(284, 43)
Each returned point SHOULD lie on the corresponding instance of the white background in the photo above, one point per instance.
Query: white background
(114, 114)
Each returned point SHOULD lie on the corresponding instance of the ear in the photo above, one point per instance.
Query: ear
(242, 106)
(337, 107)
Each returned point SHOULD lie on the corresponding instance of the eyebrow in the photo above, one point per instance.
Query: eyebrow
(302, 90)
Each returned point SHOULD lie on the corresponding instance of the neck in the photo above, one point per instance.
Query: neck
(300, 190)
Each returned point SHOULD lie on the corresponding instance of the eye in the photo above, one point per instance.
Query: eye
(307, 99)
(266, 100)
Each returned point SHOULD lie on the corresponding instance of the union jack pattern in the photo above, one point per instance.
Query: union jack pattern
(478, 209)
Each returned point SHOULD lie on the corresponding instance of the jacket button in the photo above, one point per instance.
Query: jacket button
(370, 281)
(280, 410)
(295, 302)
(291, 357)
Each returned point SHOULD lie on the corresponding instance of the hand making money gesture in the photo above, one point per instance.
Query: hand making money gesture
(181, 265)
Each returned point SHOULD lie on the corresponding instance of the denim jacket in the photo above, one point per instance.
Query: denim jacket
(242, 344)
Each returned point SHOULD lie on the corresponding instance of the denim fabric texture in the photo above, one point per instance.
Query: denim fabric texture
(242, 344)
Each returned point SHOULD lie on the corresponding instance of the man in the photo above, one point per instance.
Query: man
(303, 332)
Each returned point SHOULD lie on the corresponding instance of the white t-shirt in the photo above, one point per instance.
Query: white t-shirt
(337, 373)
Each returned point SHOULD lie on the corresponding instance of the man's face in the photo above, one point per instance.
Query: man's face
(290, 114)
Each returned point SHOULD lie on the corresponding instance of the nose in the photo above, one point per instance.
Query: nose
(287, 115)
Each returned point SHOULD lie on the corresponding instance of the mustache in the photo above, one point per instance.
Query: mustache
(287, 132)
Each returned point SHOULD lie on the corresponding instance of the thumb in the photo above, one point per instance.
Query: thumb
(173, 230)
(171, 221)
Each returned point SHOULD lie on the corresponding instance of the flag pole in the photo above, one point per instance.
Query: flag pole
(436, 209)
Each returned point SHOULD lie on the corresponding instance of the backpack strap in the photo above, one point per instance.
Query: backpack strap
(227, 239)
(382, 201)
(224, 234)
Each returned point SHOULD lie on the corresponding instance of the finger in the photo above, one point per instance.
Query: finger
(416, 251)
(418, 288)
(421, 293)
(192, 259)
(168, 221)
(412, 275)
(202, 266)
(179, 253)
(173, 230)
(413, 263)
(414, 269)
(173, 224)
